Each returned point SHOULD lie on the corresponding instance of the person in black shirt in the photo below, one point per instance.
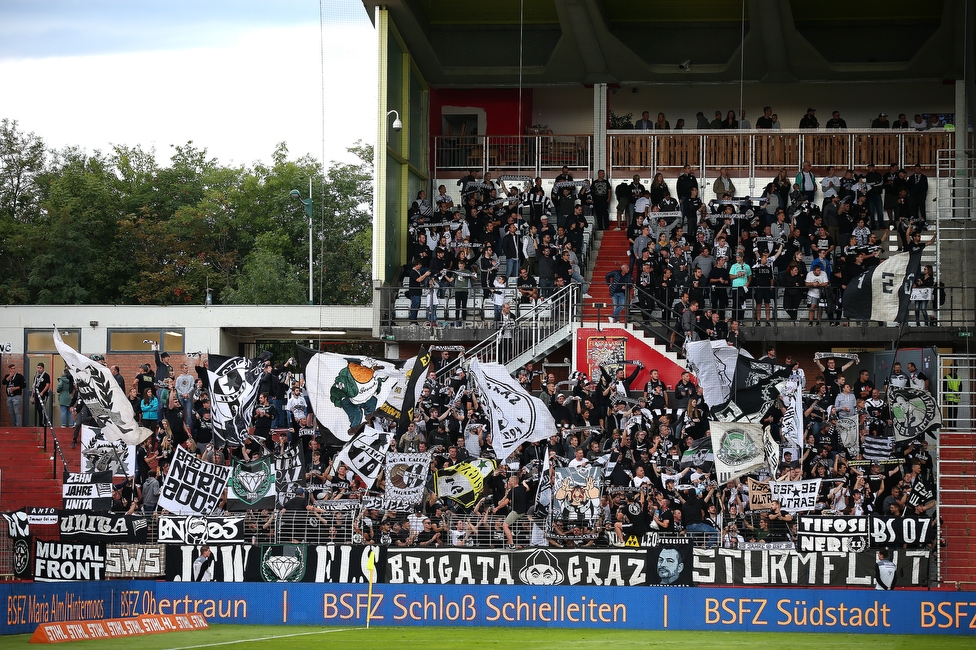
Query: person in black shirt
(600, 191)
(264, 417)
(762, 284)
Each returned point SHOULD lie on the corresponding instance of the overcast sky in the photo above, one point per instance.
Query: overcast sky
(235, 77)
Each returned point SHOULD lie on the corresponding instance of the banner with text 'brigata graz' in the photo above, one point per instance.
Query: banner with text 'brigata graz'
(761, 609)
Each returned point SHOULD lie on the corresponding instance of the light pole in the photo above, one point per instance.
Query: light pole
(308, 213)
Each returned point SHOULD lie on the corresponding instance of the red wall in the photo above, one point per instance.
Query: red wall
(500, 106)
(633, 349)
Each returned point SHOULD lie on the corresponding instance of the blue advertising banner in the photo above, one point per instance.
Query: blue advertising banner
(650, 608)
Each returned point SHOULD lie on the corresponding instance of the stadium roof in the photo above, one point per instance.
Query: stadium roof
(471, 43)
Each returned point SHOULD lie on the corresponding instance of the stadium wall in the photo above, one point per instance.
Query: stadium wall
(753, 610)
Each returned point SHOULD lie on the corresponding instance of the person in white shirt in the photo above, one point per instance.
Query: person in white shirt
(885, 572)
(816, 280)
(639, 480)
(744, 124)
(830, 184)
(579, 460)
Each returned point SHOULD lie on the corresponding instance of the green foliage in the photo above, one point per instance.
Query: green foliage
(119, 228)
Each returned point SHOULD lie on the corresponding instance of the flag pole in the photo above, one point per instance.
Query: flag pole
(370, 567)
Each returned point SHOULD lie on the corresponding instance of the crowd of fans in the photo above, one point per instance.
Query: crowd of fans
(782, 250)
(638, 435)
(770, 121)
(481, 246)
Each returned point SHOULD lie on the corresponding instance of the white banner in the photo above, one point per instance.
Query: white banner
(795, 496)
(793, 418)
(738, 448)
(515, 416)
(345, 390)
(406, 477)
(192, 486)
(713, 363)
(99, 454)
(104, 397)
(366, 453)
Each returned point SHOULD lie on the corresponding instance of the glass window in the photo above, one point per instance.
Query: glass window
(141, 340)
(43, 340)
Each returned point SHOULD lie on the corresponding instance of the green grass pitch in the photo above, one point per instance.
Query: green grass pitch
(265, 637)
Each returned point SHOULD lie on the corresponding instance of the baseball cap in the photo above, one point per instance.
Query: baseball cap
(882, 115)
(811, 110)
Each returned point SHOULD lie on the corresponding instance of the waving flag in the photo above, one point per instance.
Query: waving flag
(738, 447)
(516, 417)
(914, 412)
(714, 364)
(884, 292)
(233, 385)
(104, 397)
(346, 390)
(464, 482)
(365, 454)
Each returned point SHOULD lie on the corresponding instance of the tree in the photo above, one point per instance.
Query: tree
(267, 278)
(346, 232)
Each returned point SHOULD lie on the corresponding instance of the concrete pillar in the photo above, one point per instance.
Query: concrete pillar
(599, 128)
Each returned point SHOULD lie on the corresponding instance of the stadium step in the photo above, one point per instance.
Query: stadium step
(27, 470)
(612, 251)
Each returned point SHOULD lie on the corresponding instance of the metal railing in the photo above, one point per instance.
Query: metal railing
(537, 328)
(660, 318)
(531, 154)
(769, 151)
(57, 445)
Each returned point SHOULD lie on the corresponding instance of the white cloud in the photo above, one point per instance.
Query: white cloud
(238, 100)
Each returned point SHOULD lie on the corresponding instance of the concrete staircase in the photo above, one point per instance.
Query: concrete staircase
(957, 507)
(27, 471)
(611, 252)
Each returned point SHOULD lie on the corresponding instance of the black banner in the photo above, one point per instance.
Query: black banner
(88, 491)
(832, 534)
(22, 548)
(898, 532)
(59, 561)
(528, 567)
(670, 565)
(231, 563)
(90, 528)
(197, 529)
(724, 566)
(342, 563)
(135, 561)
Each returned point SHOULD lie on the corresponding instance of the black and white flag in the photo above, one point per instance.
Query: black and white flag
(516, 417)
(877, 447)
(738, 449)
(406, 476)
(714, 364)
(17, 524)
(233, 384)
(88, 491)
(98, 454)
(251, 485)
(795, 496)
(884, 292)
(849, 436)
(365, 453)
(192, 486)
(699, 454)
(106, 400)
(914, 412)
(289, 473)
